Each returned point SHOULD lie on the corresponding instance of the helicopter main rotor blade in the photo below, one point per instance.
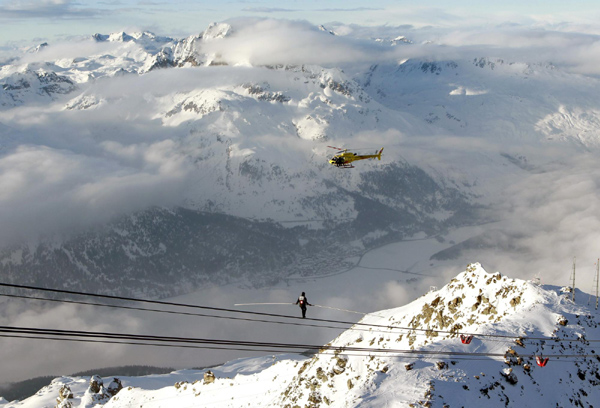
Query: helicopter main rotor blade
(337, 148)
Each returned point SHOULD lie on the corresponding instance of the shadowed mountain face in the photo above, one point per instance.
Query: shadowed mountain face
(165, 252)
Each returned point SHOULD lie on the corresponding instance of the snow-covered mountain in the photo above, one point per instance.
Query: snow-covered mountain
(250, 145)
(490, 97)
(410, 356)
(111, 55)
(182, 161)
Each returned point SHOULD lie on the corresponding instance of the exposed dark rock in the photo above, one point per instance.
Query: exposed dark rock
(209, 377)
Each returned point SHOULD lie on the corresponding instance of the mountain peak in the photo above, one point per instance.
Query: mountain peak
(416, 350)
(472, 302)
(325, 29)
(217, 30)
(120, 37)
(40, 47)
(141, 36)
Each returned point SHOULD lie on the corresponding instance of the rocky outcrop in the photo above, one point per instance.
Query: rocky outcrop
(99, 394)
(64, 397)
(209, 377)
(26, 85)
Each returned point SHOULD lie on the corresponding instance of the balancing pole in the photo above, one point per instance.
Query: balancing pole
(324, 307)
(343, 310)
(254, 304)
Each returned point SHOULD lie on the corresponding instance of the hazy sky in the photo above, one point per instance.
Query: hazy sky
(31, 21)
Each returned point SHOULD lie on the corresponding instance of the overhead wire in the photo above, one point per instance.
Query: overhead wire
(370, 330)
(172, 341)
(213, 344)
(134, 343)
(370, 325)
(168, 311)
(333, 353)
(389, 328)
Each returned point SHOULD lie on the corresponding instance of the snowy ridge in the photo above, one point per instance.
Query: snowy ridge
(476, 96)
(30, 84)
(117, 54)
(508, 318)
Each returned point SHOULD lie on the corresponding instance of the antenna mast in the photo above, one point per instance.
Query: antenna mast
(573, 286)
(597, 279)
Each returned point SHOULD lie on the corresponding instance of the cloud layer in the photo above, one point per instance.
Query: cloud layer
(548, 219)
(48, 188)
(270, 42)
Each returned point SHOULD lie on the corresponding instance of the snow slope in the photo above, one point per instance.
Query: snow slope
(410, 356)
(477, 303)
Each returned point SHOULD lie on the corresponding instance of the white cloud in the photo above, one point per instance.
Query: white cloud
(50, 190)
(574, 52)
(268, 42)
(25, 9)
(75, 48)
(547, 219)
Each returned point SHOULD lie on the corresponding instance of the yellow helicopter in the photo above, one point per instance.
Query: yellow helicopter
(344, 158)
